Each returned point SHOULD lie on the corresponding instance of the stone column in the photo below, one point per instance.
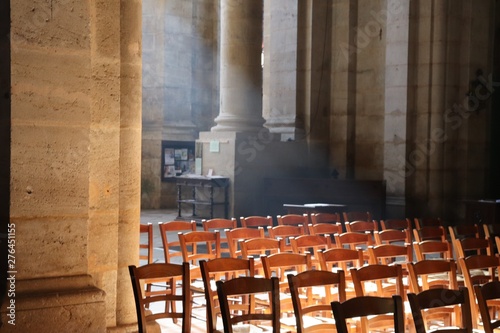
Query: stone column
(130, 156)
(396, 100)
(241, 71)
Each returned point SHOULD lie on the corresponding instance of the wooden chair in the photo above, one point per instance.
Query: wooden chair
(430, 233)
(355, 240)
(478, 269)
(285, 232)
(336, 259)
(161, 272)
(256, 221)
(433, 249)
(428, 274)
(357, 216)
(170, 239)
(392, 236)
(221, 269)
(328, 218)
(427, 222)
(242, 288)
(146, 243)
(312, 311)
(488, 297)
(381, 281)
(235, 236)
(196, 246)
(441, 297)
(219, 224)
(340, 259)
(280, 265)
(364, 306)
(398, 224)
(258, 247)
(311, 244)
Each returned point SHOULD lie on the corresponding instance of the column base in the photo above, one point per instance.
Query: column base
(72, 304)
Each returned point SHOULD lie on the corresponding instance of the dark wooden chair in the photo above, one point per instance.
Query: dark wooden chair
(488, 297)
(242, 289)
(441, 297)
(161, 272)
(364, 306)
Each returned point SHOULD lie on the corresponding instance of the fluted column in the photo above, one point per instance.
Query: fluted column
(241, 71)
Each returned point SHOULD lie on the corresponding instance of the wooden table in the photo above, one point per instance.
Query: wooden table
(315, 208)
(202, 193)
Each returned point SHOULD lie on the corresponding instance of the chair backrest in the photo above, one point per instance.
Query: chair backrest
(389, 254)
(437, 298)
(256, 221)
(361, 226)
(464, 231)
(427, 274)
(307, 302)
(478, 269)
(235, 236)
(430, 233)
(399, 224)
(257, 247)
(373, 280)
(165, 272)
(364, 306)
(485, 293)
(354, 240)
(293, 219)
(284, 263)
(356, 216)
(391, 236)
(330, 218)
(421, 222)
(339, 258)
(325, 229)
(285, 232)
(221, 269)
(220, 224)
(468, 246)
(310, 243)
(228, 290)
(146, 243)
(432, 248)
(199, 245)
(170, 239)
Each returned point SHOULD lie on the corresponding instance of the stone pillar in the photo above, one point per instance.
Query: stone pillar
(240, 72)
(76, 87)
(281, 42)
(130, 156)
(396, 21)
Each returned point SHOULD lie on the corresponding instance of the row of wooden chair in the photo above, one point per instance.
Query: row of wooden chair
(426, 291)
